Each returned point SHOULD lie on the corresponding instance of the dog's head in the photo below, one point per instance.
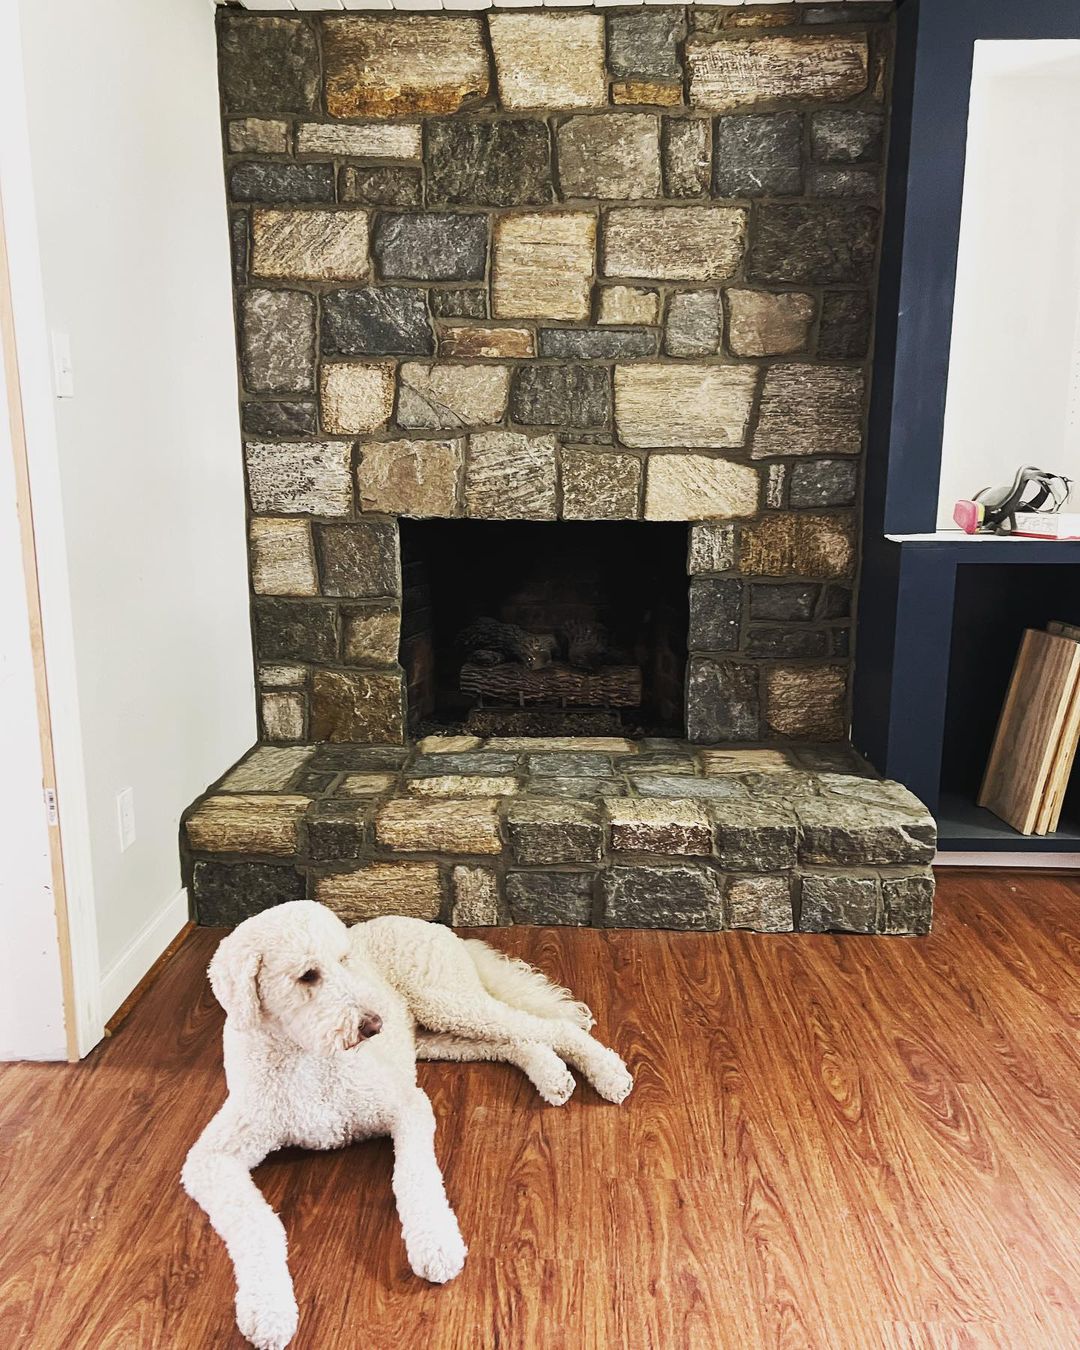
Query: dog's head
(288, 967)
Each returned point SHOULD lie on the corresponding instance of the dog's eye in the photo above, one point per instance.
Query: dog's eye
(309, 977)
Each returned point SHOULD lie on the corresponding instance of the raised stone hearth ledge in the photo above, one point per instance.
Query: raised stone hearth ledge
(602, 831)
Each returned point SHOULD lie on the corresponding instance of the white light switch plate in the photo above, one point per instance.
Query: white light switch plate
(125, 817)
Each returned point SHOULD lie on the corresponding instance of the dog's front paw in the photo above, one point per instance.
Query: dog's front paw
(437, 1257)
(613, 1080)
(558, 1089)
(267, 1319)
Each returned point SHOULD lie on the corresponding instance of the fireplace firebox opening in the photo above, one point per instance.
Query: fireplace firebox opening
(560, 628)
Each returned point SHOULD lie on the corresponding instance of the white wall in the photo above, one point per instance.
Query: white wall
(1014, 368)
(122, 115)
(31, 996)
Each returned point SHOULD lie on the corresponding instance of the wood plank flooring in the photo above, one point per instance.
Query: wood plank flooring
(835, 1142)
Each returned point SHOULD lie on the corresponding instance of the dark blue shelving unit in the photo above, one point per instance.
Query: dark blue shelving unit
(940, 619)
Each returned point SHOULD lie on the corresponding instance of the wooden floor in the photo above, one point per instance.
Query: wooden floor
(834, 1142)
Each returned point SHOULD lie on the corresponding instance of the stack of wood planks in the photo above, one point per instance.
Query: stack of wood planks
(1037, 733)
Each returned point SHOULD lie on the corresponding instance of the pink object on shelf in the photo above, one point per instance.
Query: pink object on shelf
(968, 515)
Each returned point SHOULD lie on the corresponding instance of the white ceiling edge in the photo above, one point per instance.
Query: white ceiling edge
(332, 6)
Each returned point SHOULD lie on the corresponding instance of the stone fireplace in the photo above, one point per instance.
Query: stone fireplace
(559, 323)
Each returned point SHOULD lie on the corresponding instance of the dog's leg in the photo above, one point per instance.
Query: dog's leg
(483, 1018)
(217, 1176)
(539, 1063)
(432, 1238)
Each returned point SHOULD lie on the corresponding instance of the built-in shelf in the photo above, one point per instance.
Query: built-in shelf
(964, 827)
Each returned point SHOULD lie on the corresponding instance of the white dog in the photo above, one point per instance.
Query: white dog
(320, 1049)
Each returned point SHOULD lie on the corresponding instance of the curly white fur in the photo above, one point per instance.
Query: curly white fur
(320, 1049)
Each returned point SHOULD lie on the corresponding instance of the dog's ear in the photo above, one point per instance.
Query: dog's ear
(234, 978)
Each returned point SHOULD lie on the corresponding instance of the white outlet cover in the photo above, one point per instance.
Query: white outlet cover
(125, 817)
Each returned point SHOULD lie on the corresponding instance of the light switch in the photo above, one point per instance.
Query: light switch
(63, 370)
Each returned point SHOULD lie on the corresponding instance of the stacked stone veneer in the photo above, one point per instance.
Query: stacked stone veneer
(544, 266)
(649, 834)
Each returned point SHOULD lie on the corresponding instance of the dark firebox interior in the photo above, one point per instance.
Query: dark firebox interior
(605, 603)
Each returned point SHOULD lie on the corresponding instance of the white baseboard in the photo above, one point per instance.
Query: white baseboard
(141, 952)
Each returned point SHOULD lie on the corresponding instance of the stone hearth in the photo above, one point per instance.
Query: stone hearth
(603, 831)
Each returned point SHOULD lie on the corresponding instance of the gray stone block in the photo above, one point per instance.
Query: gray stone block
(384, 185)
(281, 417)
(907, 903)
(569, 396)
(645, 43)
(682, 785)
(358, 559)
(239, 243)
(723, 702)
(337, 830)
(823, 482)
(392, 320)
(438, 246)
(584, 344)
(755, 835)
(845, 324)
(227, 893)
(687, 155)
(463, 304)
(845, 904)
(762, 904)
(577, 789)
(295, 630)
(616, 155)
(817, 243)
(262, 181)
(506, 163)
(545, 833)
(857, 833)
(677, 895)
(715, 614)
(556, 764)
(764, 643)
(847, 136)
(487, 764)
(835, 602)
(783, 603)
(693, 324)
(833, 180)
(550, 897)
(757, 155)
(277, 341)
(267, 65)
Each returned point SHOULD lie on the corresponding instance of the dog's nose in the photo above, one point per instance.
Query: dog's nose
(370, 1026)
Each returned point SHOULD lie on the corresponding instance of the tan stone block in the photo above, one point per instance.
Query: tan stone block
(692, 404)
(247, 823)
(674, 243)
(549, 60)
(761, 903)
(360, 706)
(699, 487)
(386, 140)
(446, 745)
(452, 825)
(778, 16)
(371, 636)
(719, 762)
(766, 323)
(810, 410)
(799, 545)
(483, 341)
(410, 888)
(738, 73)
(474, 893)
(282, 556)
(609, 155)
(386, 67)
(543, 263)
(267, 769)
(357, 396)
(510, 476)
(600, 485)
(807, 702)
(258, 136)
(282, 676)
(410, 478)
(605, 745)
(628, 304)
(463, 785)
(282, 716)
(309, 477)
(451, 396)
(650, 93)
(659, 825)
(366, 784)
(310, 245)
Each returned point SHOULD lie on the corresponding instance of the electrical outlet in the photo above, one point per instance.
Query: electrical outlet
(125, 816)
